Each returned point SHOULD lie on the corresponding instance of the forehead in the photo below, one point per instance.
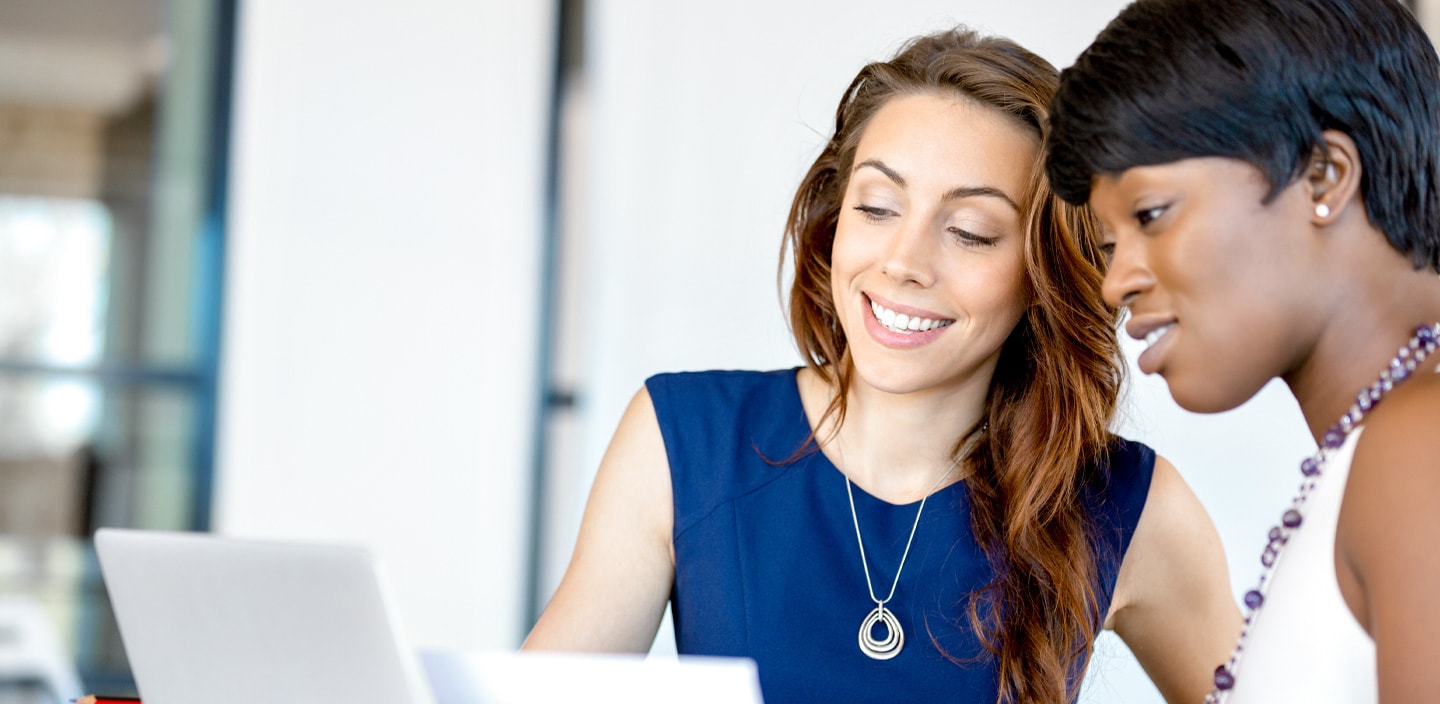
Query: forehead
(1112, 194)
(951, 139)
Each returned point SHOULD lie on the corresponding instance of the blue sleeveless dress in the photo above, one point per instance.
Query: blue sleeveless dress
(766, 564)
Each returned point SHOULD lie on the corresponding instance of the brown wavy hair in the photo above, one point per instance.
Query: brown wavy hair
(1054, 392)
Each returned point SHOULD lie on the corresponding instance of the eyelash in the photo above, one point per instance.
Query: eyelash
(875, 215)
(872, 213)
(971, 238)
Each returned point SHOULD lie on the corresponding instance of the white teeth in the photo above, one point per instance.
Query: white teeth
(1155, 335)
(900, 322)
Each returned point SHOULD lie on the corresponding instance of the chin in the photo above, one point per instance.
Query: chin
(1207, 397)
(888, 383)
(898, 379)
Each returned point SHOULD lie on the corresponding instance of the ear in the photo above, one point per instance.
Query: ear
(1333, 177)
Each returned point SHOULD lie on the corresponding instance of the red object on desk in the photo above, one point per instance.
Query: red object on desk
(97, 699)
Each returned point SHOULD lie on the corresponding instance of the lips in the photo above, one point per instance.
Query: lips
(904, 322)
(1157, 331)
(1154, 335)
(900, 326)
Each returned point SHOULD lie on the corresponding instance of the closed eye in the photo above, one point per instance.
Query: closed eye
(971, 238)
(873, 213)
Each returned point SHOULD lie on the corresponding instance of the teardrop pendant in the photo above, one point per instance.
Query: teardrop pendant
(887, 647)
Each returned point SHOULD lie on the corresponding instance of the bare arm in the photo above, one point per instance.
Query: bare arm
(614, 591)
(1173, 605)
(1386, 559)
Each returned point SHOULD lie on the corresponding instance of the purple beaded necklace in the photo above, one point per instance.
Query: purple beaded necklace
(1421, 345)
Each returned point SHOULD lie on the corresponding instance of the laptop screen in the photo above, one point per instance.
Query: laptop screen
(230, 621)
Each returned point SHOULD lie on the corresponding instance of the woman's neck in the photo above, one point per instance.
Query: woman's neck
(895, 446)
(1384, 300)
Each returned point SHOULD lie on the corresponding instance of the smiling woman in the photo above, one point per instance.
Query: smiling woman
(1266, 172)
(906, 517)
(887, 256)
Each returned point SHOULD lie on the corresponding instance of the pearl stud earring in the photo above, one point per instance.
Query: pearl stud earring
(1322, 210)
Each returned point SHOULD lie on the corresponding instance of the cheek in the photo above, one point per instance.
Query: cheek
(1015, 300)
(996, 289)
(842, 269)
(1225, 274)
(848, 255)
(1009, 281)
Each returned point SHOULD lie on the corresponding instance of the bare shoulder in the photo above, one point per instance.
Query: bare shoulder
(1172, 604)
(1385, 541)
(636, 456)
(632, 492)
(1394, 482)
(1174, 539)
(615, 590)
(1396, 465)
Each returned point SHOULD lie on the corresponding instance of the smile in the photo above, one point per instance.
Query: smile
(1154, 336)
(905, 324)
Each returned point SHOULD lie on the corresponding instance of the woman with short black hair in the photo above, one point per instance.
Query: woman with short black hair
(1268, 174)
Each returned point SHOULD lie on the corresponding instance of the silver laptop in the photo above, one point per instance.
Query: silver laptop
(229, 621)
(216, 620)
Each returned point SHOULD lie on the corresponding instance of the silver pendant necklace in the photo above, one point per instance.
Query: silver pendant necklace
(889, 646)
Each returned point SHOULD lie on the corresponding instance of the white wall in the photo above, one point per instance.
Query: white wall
(382, 279)
(383, 268)
(705, 116)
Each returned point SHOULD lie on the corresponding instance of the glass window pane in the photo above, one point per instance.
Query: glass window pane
(53, 261)
(109, 294)
(115, 455)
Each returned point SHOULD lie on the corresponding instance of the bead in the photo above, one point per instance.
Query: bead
(1223, 679)
(1254, 598)
(1424, 342)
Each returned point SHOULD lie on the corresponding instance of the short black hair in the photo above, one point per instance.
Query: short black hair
(1259, 80)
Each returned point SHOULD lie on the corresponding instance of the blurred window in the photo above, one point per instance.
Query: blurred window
(112, 134)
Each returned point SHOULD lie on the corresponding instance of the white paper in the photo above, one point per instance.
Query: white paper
(551, 678)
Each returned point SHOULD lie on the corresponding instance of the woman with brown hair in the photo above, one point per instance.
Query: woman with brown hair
(933, 507)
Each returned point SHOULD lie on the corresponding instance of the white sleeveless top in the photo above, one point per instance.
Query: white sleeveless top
(1305, 645)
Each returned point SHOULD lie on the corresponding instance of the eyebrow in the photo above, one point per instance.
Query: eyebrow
(952, 194)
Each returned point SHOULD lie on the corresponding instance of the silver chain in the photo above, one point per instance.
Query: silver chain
(840, 450)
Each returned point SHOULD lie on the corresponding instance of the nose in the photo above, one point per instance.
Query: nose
(1128, 276)
(909, 255)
